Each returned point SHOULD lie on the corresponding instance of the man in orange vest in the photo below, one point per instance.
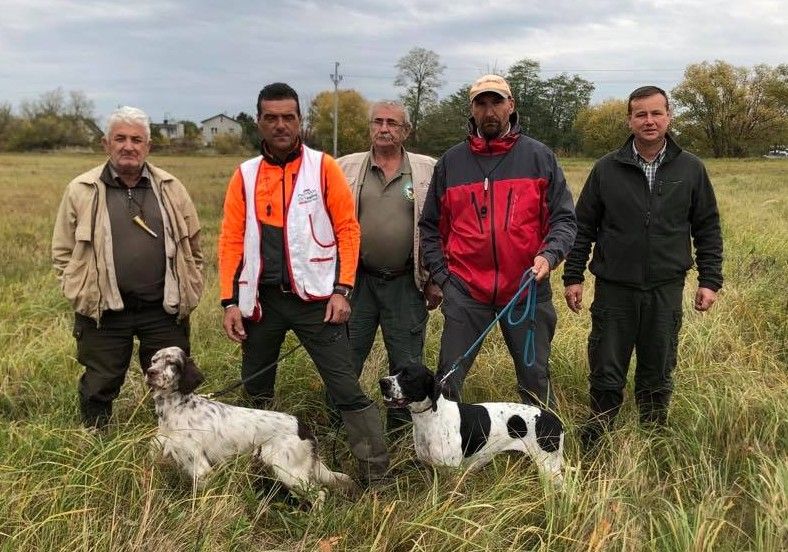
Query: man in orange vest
(288, 252)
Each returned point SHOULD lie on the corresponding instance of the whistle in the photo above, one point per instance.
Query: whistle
(141, 223)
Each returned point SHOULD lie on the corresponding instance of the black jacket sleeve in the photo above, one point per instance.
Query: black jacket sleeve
(562, 221)
(706, 234)
(429, 227)
(589, 210)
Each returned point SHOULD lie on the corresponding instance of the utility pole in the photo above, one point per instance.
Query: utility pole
(336, 78)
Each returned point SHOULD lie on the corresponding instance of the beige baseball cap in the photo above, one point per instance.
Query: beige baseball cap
(490, 83)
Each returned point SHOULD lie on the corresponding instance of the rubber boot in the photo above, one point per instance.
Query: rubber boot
(365, 434)
(605, 405)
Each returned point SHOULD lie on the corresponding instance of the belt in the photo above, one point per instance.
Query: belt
(387, 273)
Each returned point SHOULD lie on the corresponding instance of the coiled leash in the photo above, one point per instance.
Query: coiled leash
(525, 295)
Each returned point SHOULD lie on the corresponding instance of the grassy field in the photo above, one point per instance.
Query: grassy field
(716, 480)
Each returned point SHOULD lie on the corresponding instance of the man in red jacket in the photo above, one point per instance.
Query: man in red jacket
(497, 205)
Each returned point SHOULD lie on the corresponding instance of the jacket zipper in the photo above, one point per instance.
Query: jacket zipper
(491, 184)
(285, 253)
(650, 197)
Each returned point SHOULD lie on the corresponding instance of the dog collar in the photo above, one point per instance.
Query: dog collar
(422, 411)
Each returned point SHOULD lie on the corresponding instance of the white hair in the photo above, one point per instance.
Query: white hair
(131, 116)
(392, 104)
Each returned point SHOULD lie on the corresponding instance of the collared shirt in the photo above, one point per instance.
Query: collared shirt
(385, 213)
(650, 168)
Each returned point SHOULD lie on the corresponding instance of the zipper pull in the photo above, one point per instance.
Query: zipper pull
(486, 183)
(648, 218)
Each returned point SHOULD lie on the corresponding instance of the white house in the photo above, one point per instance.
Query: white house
(168, 129)
(219, 124)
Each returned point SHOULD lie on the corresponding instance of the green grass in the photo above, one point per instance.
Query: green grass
(716, 480)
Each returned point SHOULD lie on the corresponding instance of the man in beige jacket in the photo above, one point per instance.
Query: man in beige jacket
(127, 253)
(391, 291)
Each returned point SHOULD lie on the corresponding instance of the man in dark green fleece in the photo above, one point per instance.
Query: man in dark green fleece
(641, 206)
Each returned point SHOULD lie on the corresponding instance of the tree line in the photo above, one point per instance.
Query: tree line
(720, 110)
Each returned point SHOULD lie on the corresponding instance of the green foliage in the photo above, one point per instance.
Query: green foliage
(225, 144)
(444, 124)
(548, 108)
(730, 111)
(353, 130)
(250, 135)
(420, 73)
(50, 122)
(603, 127)
(715, 481)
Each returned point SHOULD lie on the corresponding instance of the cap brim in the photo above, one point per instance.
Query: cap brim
(494, 91)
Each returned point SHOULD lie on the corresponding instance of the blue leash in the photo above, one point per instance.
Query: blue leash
(527, 291)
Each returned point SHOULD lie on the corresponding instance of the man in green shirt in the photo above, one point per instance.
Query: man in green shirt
(392, 289)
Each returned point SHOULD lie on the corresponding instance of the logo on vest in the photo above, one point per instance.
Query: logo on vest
(307, 196)
(407, 190)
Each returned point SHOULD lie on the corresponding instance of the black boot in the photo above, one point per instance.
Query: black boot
(261, 402)
(653, 408)
(605, 405)
(95, 414)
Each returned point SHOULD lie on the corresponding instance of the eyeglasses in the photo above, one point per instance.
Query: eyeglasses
(391, 123)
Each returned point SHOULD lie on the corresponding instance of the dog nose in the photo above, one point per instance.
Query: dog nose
(385, 384)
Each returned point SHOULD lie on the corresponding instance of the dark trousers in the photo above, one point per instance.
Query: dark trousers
(327, 345)
(623, 319)
(466, 319)
(397, 306)
(105, 352)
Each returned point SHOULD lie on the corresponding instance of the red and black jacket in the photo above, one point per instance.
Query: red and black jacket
(493, 206)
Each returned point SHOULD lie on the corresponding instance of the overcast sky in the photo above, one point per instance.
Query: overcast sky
(191, 60)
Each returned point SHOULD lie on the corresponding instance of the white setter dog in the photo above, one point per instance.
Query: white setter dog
(448, 433)
(197, 433)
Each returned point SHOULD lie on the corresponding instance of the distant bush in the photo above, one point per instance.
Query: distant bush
(228, 143)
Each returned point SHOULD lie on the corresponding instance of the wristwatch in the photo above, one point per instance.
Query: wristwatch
(344, 291)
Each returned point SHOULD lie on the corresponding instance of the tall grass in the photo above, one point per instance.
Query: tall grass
(716, 479)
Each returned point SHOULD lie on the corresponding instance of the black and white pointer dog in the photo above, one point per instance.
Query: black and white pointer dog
(197, 433)
(448, 433)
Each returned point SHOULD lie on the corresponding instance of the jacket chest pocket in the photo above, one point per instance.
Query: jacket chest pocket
(674, 199)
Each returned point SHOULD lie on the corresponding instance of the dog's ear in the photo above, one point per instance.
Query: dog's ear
(437, 390)
(190, 378)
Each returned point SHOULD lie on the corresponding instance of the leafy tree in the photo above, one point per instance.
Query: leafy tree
(52, 121)
(228, 143)
(249, 130)
(7, 122)
(603, 127)
(353, 130)
(548, 108)
(420, 74)
(445, 123)
(732, 111)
